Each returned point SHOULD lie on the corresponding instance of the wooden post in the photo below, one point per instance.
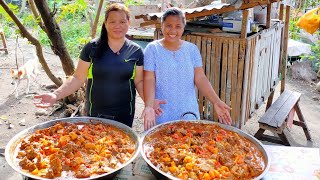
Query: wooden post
(281, 12)
(5, 48)
(245, 14)
(269, 6)
(285, 49)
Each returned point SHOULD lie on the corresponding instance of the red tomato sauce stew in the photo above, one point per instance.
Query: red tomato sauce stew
(189, 150)
(75, 150)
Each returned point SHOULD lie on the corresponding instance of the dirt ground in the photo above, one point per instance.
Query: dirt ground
(14, 110)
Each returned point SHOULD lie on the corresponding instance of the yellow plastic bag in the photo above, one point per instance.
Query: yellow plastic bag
(310, 21)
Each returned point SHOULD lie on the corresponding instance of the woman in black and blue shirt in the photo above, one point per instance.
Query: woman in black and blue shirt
(113, 66)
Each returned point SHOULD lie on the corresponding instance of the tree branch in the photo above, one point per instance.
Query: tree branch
(95, 24)
(54, 34)
(36, 15)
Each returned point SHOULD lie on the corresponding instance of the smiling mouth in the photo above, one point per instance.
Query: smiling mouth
(172, 36)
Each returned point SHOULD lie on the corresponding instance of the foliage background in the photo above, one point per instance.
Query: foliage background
(72, 17)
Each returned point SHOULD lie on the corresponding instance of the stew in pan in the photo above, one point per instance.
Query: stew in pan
(203, 151)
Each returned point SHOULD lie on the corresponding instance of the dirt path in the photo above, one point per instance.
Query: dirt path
(14, 110)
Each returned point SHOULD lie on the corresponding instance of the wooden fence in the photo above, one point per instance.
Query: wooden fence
(243, 72)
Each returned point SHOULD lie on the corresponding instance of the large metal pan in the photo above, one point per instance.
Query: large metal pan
(13, 143)
(162, 175)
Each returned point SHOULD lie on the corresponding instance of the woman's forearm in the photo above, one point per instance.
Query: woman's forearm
(139, 87)
(149, 88)
(68, 87)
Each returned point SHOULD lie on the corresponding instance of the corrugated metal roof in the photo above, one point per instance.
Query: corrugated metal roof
(190, 11)
(215, 6)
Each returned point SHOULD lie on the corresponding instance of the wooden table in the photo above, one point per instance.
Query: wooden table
(292, 163)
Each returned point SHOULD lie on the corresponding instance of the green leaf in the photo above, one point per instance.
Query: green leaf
(82, 3)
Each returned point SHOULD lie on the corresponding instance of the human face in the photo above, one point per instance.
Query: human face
(172, 29)
(117, 25)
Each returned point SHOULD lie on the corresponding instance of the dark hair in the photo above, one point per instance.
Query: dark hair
(174, 11)
(102, 41)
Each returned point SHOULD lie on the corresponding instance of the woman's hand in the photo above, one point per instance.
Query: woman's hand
(149, 117)
(156, 106)
(223, 112)
(45, 100)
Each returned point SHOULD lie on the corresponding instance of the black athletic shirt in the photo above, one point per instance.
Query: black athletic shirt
(110, 90)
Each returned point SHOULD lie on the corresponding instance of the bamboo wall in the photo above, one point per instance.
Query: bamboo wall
(241, 71)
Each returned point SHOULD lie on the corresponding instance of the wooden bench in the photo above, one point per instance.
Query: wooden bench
(275, 118)
(5, 49)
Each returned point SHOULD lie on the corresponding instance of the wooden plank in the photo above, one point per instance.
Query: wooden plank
(244, 23)
(268, 66)
(282, 139)
(274, 58)
(245, 90)
(285, 49)
(234, 80)
(217, 69)
(272, 129)
(188, 38)
(229, 75)
(158, 25)
(197, 40)
(270, 99)
(269, 8)
(275, 70)
(242, 52)
(259, 133)
(261, 59)
(281, 12)
(139, 16)
(213, 65)
(251, 63)
(251, 70)
(267, 117)
(203, 52)
(224, 70)
(148, 23)
(202, 99)
(301, 120)
(208, 74)
(220, 34)
(282, 112)
(255, 74)
(281, 51)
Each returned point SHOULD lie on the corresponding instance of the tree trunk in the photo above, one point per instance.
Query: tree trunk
(96, 20)
(37, 16)
(54, 34)
(34, 41)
